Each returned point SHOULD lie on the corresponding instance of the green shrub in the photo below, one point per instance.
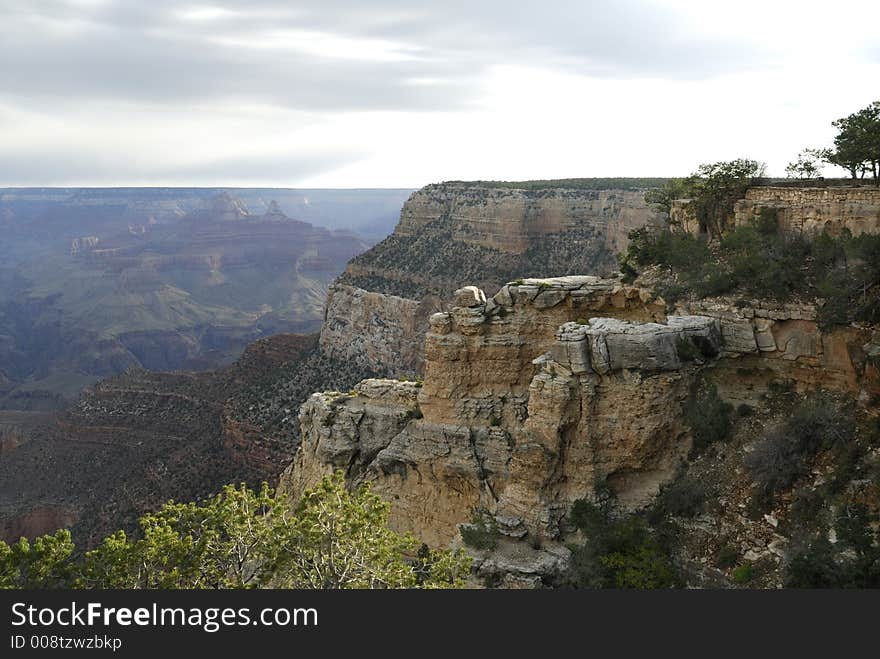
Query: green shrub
(815, 567)
(623, 554)
(756, 259)
(684, 497)
(708, 416)
(743, 574)
(767, 223)
(619, 551)
(482, 533)
(784, 454)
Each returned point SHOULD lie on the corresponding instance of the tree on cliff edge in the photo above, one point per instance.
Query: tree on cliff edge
(713, 190)
(332, 538)
(857, 143)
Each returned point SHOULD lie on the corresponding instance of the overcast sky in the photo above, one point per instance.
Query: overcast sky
(401, 93)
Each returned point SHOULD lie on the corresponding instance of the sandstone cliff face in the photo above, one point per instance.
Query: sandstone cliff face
(530, 399)
(800, 210)
(812, 210)
(375, 330)
(766, 342)
(510, 220)
(448, 233)
(533, 397)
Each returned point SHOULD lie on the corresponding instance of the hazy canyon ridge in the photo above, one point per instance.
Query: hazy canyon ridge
(96, 281)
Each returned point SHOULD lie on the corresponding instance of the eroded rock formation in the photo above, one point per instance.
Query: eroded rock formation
(530, 398)
(448, 233)
(536, 395)
(800, 210)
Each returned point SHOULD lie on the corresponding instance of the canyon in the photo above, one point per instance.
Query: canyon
(95, 281)
(471, 390)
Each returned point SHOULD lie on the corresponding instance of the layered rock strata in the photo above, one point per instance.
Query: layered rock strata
(813, 210)
(378, 310)
(799, 210)
(535, 396)
(531, 398)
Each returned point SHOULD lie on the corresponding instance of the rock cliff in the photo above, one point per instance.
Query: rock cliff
(812, 210)
(479, 232)
(530, 398)
(800, 210)
(535, 396)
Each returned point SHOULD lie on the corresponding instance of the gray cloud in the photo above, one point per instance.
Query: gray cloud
(144, 51)
(59, 165)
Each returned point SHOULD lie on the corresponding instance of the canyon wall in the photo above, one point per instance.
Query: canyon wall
(533, 397)
(813, 210)
(807, 210)
(530, 399)
(378, 309)
(510, 220)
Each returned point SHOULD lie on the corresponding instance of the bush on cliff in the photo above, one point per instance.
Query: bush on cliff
(709, 417)
(786, 452)
(853, 561)
(754, 259)
(331, 538)
(619, 552)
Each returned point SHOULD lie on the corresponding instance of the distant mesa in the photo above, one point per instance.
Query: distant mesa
(221, 208)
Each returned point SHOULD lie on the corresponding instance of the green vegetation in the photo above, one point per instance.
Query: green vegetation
(684, 497)
(756, 260)
(743, 574)
(856, 145)
(709, 417)
(853, 561)
(712, 191)
(482, 533)
(832, 520)
(661, 198)
(807, 166)
(786, 452)
(619, 551)
(332, 538)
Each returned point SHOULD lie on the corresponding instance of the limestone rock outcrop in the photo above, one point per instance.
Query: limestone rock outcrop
(765, 342)
(374, 330)
(813, 210)
(535, 396)
(530, 399)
